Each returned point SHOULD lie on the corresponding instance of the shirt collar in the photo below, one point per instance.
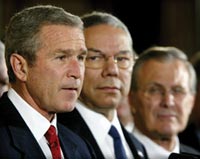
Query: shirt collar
(98, 124)
(153, 147)
(37, 123)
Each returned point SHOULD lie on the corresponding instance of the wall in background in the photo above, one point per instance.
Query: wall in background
(157, 22)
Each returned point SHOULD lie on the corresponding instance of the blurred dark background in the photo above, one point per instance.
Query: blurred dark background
(156, 22)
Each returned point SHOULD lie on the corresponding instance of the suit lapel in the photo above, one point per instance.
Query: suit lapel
(24, 141)
(21, 137)
(135, 146)
(69, 148)
(84, 131)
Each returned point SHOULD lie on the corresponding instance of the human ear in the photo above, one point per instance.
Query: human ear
(19, 66)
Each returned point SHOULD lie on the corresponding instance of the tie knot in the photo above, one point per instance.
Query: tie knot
(114, 133)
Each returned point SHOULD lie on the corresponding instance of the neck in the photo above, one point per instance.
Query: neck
(166, 143)
(105, 111)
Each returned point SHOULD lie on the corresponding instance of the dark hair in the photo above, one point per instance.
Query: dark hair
(22, 34)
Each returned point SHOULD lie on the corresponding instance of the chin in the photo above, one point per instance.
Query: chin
(68, 107)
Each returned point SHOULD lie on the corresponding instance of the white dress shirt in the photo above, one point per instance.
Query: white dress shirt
(154, 150)
(129, 127)
(37, 123)
(99, 125)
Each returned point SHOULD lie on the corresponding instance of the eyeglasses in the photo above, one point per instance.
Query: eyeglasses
(96, 60)
(155, 92)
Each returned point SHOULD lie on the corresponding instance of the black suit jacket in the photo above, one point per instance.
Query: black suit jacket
(191, 136)
(74, 121)
(17, 141)
(188, 149)
(185, 153)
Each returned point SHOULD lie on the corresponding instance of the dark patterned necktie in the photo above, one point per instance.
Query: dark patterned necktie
(54, 144)
(118, 147)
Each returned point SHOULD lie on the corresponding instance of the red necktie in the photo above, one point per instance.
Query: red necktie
(54, 144)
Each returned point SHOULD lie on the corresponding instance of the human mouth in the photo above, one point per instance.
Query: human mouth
(166, 115)
(71, 89)
(109, 89)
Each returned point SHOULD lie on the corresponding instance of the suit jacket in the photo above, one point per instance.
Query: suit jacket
(74, 121)
(17, 141)
(191, 136)
(185, 153)
(188, 149)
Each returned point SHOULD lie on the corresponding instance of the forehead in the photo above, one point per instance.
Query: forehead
(56, 34)
(107, 38)
(166, 73)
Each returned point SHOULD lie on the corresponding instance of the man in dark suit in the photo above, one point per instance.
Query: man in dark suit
(45, 53)
(107, 80)
(162, 95)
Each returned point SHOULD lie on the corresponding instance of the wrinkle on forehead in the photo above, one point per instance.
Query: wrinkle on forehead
(169, 73)
(107, 38)
(61, 34)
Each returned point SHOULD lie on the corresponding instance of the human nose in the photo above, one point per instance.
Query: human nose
(168, 99)
(111, 67)
(75, 68)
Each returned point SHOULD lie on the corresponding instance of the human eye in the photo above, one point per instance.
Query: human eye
(178, 91)
(154, 90)
(82, 57)
(122, 58)
(61, 57)
(94, 58)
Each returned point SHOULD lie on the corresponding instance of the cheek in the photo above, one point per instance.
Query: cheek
(185, 108)
(150, 102)
(82, 73)
(126, 80)
(91, 75)
(90, 78)
(148, 108)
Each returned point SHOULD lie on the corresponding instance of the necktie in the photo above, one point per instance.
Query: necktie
(54, 144)
(119, 149)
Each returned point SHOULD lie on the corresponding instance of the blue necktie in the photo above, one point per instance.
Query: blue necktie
(119, 149)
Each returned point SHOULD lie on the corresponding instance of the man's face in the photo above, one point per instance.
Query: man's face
(4, 81)
(163, 101)
(104, 86)
(55, 80)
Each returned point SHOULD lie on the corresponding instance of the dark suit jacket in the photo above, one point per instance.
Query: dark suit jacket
(76, 123)
(191, 136)
(185, 153)
(17, 141)
(188, 149)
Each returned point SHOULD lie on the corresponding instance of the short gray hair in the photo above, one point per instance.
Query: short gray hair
(161, 53)
(22, 35)
(98, 18)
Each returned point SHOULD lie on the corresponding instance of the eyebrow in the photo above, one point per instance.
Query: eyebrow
(99, 51)
(94, 50)
(70, 51)
(154, 84)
